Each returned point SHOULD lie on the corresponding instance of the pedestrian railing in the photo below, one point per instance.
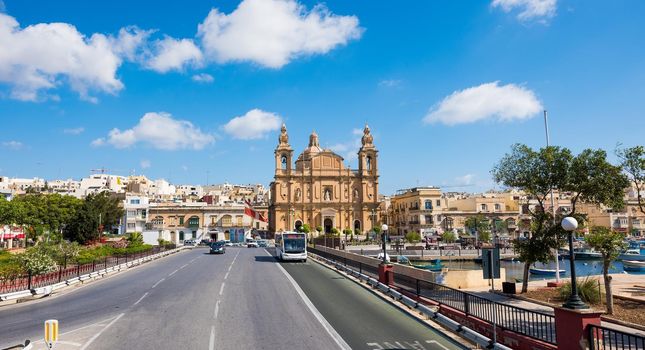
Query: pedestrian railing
(607, 338)
(531, 323)
(64, 273)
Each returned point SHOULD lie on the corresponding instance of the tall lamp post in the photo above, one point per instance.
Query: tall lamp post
(574, 302)
(384, 237)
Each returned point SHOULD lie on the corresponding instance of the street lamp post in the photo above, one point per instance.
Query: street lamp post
(570, 224)
(384, 236)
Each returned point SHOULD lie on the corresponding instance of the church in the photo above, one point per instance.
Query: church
(321, 191)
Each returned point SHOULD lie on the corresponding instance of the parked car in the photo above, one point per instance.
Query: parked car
(263, 243)
(218, 248)
(228, 243)
(252, 244)
(189, 242)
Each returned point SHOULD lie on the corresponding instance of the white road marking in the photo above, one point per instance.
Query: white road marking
(229, 267)
(101, 332)
(330, 330)
(183, 266)
(156, 284)
(216, 309)
(138, 301)
(226, 276)
(436, 342)
(172, 273)
(68, 343)
(221, 289)
(211, 341)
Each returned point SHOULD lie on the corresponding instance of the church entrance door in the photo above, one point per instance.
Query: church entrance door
(328, 225)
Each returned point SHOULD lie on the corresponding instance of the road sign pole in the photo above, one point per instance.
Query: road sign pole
(491, 253)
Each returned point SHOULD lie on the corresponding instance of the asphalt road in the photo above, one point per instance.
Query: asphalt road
(363, 319)
(243, 299)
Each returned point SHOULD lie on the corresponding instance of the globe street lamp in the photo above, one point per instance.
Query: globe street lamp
(570, 224)
(383, 236)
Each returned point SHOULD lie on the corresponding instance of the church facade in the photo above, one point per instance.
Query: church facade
(319, 190)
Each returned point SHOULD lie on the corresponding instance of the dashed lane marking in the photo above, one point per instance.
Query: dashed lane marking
(226, 276)
(172, 273)
(221, 289)
(156, 284)
(216, 310)
(211, 341)
(138, 301)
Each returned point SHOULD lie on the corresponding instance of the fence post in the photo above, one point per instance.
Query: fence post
(78, 270)
(105, 263)
(466, 304)
(60, 272)
(360, 268)
(93, 265)
(418, 288)
(29, 281)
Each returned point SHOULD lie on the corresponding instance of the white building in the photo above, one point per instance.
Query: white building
(135, 214)
(103, 182)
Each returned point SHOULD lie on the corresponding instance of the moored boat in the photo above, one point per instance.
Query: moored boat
(544, 272)
(632, 255)
(634, 266)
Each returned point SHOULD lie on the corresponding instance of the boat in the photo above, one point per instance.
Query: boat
(432, 265)
(544, 272)
(634, 266)
(581, 254)
(632, 255)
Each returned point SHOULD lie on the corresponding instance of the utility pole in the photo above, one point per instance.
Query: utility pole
(557, 260)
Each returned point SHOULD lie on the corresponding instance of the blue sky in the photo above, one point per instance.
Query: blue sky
(446, 86)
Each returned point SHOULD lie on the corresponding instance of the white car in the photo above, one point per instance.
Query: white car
(252, 244)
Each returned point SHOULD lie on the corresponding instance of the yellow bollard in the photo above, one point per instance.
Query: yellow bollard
(51, 333)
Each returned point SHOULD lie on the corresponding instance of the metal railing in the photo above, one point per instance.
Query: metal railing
(606, 338)
(64, 273)
(531, 323)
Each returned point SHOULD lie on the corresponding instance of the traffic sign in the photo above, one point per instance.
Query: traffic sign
(51, 332)
(490, 262)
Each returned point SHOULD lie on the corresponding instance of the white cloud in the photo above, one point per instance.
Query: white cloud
(98, 142)
(465, 180)
(160, 131)
(130, 42)
(173, 54)
(14, 145)
(349, 149)
(145, 164)
(528, 9)
(74, 131)
(255, 124)
(486, 101)
(273, 32)
(43, 55)
(203, 78)
(390, 83)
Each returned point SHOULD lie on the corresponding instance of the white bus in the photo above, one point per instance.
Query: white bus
(291, 246)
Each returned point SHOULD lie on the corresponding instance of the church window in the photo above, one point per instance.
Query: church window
(283, 163)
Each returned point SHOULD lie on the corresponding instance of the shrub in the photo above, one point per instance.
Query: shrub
(413, 237)
(588, 290)
(135, 238)
(319, 228)
(36, 260)
(334, 231)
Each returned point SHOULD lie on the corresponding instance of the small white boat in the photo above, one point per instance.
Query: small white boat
(633, 265)
(632, 255)
(544, 272)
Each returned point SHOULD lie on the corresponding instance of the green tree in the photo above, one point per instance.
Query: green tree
(334, 231)
(535, 173)
(484, 236)
(95, 213)
(589, 176)
(632, 161)
(304, 228)
(413, 237)
(609, 243)
(448, 237)
(477, 223)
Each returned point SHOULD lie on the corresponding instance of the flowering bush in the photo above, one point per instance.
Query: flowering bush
(36, 260)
